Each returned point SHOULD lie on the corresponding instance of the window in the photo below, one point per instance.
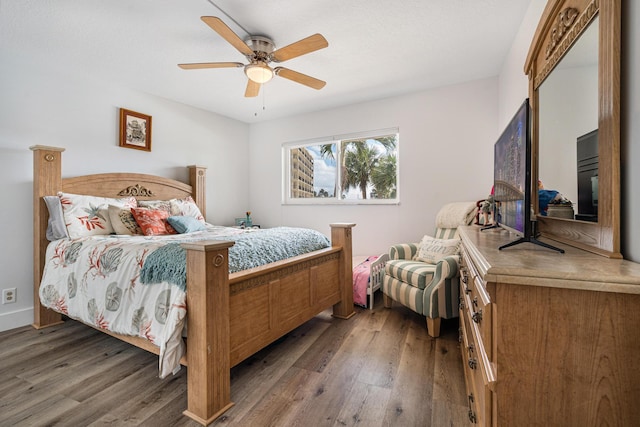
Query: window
(354, 169)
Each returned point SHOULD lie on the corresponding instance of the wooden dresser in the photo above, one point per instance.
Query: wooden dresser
(548, 339)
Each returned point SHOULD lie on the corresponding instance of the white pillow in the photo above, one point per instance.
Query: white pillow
(56, 228)
(186, 207)
(89, 215)
(433, 250)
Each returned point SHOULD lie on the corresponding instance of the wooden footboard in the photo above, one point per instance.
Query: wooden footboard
(229, 316)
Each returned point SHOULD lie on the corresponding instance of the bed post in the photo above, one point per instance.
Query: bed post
(47, 181)
(198, 181)
(208, 342)
(341, 236)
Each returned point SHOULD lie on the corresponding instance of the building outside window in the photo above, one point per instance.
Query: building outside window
(301, 173)
(352, 169)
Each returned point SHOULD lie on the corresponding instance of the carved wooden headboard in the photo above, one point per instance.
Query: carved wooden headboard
(48, 181)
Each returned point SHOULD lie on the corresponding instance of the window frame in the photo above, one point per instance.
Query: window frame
(336, 139)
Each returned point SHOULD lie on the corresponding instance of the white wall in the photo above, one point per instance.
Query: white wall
(445, 154)
(40, 104)
(513, 87)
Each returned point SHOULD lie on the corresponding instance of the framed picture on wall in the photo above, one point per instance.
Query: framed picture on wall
(135, 130)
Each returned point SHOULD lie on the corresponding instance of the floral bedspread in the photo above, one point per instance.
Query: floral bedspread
(96, 280)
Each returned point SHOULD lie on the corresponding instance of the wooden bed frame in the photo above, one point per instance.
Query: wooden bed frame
(230, 316)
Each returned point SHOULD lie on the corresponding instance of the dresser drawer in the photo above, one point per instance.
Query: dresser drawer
(476, 364)
(481, 312)
(466, 345)
(479, 301)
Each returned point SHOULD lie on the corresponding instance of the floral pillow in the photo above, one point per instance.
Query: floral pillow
(433, 250)
(186, 207)
(122, 221)
(88, 215)
(153, 222)
(164, 205)
(175, 207)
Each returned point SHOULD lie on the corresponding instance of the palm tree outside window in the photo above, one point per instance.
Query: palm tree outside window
(354, 169)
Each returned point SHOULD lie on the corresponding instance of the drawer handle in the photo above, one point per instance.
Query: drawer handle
(477, 316)
(461, 303)
(473, 363)
(472, 415)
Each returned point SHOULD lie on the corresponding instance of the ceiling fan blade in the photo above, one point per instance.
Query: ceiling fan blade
(301, 47)
(252, 90)
(211, 65)
(221, 28)
(297, 77)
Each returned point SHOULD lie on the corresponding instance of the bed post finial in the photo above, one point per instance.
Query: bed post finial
(47, 180)
(198, 181)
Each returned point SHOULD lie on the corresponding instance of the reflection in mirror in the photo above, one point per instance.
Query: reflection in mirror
(568, 117)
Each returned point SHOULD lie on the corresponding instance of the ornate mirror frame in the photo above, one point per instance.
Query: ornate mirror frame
(561, 24)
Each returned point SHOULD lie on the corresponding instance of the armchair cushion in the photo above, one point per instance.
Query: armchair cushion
(433, 250)
(414, 273)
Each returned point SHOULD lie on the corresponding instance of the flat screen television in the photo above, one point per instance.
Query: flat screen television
(587, 151)
(512, 179)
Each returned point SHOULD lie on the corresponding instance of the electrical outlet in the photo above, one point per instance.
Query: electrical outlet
(9, 296)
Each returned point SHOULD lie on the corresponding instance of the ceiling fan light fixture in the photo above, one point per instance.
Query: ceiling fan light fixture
(258, 72)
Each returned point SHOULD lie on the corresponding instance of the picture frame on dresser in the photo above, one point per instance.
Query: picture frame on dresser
(135, 130)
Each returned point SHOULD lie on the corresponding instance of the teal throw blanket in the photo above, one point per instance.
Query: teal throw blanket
(251, 249)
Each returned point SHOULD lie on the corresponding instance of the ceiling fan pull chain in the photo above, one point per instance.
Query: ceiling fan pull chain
(263, 102)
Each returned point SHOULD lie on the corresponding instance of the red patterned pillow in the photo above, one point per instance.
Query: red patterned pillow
(153, 222)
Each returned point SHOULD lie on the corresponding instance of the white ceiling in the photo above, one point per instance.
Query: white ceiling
(377, 48)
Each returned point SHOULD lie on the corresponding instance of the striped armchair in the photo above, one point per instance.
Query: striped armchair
(428, 289)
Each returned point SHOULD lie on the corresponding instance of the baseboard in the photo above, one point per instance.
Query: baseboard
(16, 319)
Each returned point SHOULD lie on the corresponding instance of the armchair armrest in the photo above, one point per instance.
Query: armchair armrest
(440, 298)
(448, 267)
(403, 251)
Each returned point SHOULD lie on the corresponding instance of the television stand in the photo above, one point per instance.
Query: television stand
(489, 227)
(530, 240)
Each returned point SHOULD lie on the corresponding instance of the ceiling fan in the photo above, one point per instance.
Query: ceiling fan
(260, 52)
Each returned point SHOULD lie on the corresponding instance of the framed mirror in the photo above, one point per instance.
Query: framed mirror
(573, 67)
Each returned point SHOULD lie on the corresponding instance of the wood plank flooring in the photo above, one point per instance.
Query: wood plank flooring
(379, 368)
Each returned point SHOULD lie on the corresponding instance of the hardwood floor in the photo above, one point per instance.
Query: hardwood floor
(379, 368)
